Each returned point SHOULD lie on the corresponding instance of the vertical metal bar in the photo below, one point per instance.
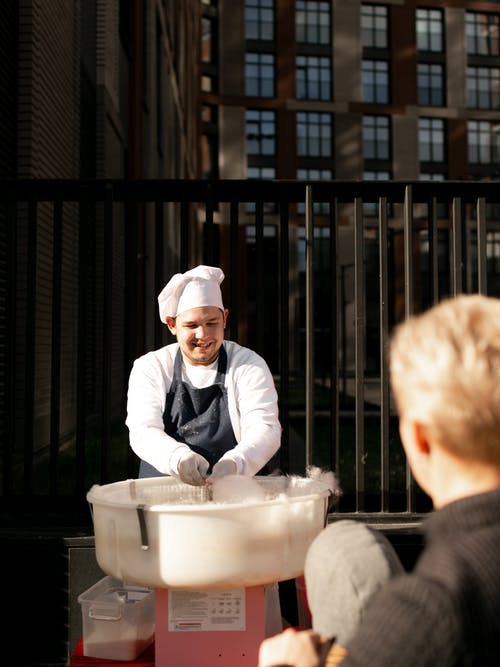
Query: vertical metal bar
(467, 275)
(309, 326)
(482, 274)
(30, 342)
(284, 337)
(384, 372)
(132, 280)
(235, 274)
(334, 337)
(359, 335)
(209, 245)
(82, 328)
(159, 273)
(433, 250)
(10, 385)
(55, 363)
(409, 308)
(408, 251)
(107, 337)
(456, 247)
(185, 238)
(259, 260)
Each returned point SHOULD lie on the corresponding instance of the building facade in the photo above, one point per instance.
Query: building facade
(342, 90)
(348, 89)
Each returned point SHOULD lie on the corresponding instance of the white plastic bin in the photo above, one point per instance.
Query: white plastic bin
(118, 619)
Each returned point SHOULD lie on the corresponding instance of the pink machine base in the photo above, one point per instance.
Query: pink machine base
(189, 646)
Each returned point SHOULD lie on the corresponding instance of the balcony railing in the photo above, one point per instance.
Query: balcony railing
(317, 274)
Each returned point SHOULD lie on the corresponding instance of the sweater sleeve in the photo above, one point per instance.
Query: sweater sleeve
(411, 621)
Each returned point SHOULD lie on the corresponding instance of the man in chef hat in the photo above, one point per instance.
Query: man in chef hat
(203, 406)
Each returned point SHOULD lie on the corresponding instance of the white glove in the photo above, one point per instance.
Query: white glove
(192, 469)
(223, 468)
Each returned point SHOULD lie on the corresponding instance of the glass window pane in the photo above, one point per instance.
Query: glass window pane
(374, 26)
(259, 19)
(430, 30)
(312, 22)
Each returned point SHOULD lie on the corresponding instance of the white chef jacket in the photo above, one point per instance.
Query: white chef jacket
(252, 403)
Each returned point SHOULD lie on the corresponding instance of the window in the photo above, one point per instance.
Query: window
(430, 85)
(259, 74)
(376, 81)
(376, 176)
(314, 134)
(314, 174)
(208, 39)
(313, 78)
(376, 138)
(493, 252)
(312, 22)
(374, 26)
(431, 177)
(430, 30)
(431, 140)
(259, 19)
(483, 34)
(261, 132)
(266, 173)
(321, 208)
(209, 142)
(484, 141)
(483, 87)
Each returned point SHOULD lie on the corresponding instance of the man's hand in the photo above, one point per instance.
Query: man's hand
(291, 647)
(222, 469)
(193, 469)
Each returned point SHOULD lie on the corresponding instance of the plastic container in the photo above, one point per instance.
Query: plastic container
(162, 533)
(118, 619)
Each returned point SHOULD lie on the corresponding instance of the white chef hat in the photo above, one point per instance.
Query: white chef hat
(195, 288)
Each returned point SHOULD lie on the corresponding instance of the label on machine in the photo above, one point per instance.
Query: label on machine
(201, 610)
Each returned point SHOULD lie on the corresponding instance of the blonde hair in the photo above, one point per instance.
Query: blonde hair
(445, 374)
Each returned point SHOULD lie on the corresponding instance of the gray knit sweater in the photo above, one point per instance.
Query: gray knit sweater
(447, 610)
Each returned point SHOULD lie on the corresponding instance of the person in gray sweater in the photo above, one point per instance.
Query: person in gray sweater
(445, 376)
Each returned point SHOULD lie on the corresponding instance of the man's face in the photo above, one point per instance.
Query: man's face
(200, 333)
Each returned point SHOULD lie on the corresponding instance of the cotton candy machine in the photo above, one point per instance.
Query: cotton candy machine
(163, 533)
(213, 555)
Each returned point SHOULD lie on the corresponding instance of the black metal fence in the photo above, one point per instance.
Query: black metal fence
(317, 273)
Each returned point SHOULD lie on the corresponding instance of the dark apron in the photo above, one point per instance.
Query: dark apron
(197, 417)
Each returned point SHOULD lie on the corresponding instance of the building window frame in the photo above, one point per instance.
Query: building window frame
(259, 74)
(483, 87)
(260, 132)
(260, 22)
(482, 32)
(313, 22)
(483, 139)
(314, 77)
(431, 141)
(374, 26)
(431, 84)
(430, 30)
(376, 81)
(376, 131)
(314, 134)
